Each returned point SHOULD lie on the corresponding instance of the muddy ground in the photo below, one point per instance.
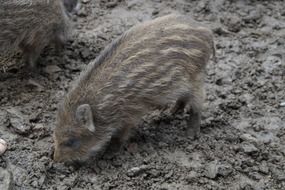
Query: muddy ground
(242, 144)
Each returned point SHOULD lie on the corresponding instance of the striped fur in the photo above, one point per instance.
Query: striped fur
(30, 25)
(155, 64)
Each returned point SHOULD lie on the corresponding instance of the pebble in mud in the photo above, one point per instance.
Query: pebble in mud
(263, 168)
(215, 169)
(3, 146)
(51, 69)
(248, 137)
(249, 148)
(18, 121)
(233, 23)
(135, 171)
(212, 170)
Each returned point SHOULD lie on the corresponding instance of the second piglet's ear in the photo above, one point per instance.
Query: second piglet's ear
(84, 117)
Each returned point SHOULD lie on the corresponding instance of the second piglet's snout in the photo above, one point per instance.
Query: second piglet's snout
(154, 64)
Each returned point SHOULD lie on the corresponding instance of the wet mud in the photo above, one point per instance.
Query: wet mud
(242, 142)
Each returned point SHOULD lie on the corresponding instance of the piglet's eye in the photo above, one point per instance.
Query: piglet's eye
(72, 143)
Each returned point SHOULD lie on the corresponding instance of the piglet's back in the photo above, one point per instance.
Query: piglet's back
(169, 38)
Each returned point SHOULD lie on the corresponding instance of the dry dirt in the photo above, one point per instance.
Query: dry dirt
(242, 144)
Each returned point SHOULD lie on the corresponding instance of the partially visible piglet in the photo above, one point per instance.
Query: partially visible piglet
(30, 25)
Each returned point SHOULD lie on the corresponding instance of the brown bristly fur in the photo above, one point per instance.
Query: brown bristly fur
(155, 64)
(30, 25)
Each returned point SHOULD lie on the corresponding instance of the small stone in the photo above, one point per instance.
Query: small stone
(62, 169)
(254, 15)
(162, 144)
(220, 31)
(192, 176)
(282, 104)
(112, 4)
(85, 53)
(277, 173)
(258, 128)
(135, 171)
(263, 168)
(155, 12)
(18, 121)
(42, 180)
(281, 177)
(212, 170)
(82, 12)
(248, 137)
(50, 69)
(249, 148)
(225, 170)
(39, 130)
(233, 23)
(20, 128)
(3, 146)
(255, 175)
(34, 84)
(85, 1)
(35, 184)
(154, 173)
(201, 5)
(245, 185)
(6, 180)
(39, 127)
(169, 174)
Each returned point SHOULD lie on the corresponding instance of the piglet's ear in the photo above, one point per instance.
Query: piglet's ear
(84, 117)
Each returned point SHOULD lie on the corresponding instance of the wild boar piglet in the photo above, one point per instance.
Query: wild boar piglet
(153, 65)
